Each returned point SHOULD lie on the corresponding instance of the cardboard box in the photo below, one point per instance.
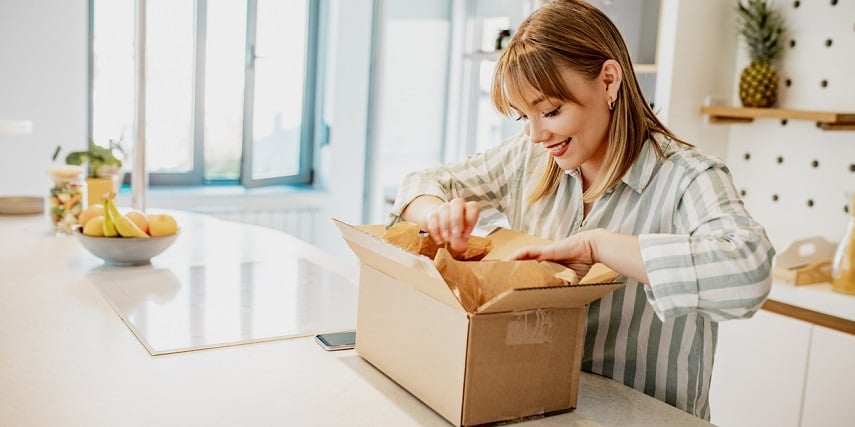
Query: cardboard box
(517, 356)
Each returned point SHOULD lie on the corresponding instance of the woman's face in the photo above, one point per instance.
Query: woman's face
(573, 132)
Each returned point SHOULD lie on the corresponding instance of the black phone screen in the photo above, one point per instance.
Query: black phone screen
(337, 340)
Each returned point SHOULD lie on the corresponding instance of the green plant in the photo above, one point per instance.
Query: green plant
(101, 161)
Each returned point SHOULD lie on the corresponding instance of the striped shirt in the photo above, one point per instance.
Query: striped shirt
(707, 260)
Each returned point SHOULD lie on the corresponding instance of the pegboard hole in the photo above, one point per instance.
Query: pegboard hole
(834, 2)
(788, 82)
(792, 43)
(742, 192)
(845, 209)
(774, 197)
(747, 156)
(824, 83)
(796, 4)
(783, 122)
(852, 167)
(815, 163)
(828, 42)
(780, 159)
(810, 203)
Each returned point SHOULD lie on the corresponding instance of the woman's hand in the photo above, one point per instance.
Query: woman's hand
(453, 222)
(619, 252)
(576, 252)
(450, 222)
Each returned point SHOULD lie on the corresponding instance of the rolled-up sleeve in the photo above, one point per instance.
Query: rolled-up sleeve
(481, 177)
(718, 259)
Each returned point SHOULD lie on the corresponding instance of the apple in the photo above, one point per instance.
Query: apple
(161, 225)
(94, 227)
(91, 212)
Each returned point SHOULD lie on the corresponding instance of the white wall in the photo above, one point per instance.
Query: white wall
(43, 78)
(695, 59)
(342, 161)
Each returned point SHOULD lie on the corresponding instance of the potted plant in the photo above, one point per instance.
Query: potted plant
(103, 165)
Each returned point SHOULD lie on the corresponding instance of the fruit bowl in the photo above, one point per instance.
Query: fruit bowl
(125, 250)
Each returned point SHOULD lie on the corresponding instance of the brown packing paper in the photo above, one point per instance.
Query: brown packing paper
(407, 235)
(476, 283)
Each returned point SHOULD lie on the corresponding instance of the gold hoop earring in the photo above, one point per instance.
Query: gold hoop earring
(611, 105)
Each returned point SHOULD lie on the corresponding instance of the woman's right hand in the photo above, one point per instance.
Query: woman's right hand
(453, 222)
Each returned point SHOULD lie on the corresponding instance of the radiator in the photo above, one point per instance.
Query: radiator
(296, 222)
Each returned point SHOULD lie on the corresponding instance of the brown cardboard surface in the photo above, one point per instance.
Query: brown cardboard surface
(396, 262)
(419, 343)
(554, 297)
(516, 356)
(522, 364)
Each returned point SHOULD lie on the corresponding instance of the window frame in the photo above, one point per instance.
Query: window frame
(311, 101)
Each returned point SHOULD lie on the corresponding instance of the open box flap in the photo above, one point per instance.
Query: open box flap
(417, 270)
(551, 297)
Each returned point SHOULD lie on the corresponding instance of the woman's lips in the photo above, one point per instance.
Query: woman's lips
(559, 149)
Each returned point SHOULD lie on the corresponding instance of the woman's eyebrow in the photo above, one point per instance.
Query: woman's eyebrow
(537, 100)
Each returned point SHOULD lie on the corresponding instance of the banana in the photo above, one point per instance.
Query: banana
(124, 226)
(109, 226)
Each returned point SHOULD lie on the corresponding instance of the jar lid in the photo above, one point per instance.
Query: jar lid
(66, 171)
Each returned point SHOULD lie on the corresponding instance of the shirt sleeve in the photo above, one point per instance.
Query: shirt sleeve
(483, 178)
(718, 261)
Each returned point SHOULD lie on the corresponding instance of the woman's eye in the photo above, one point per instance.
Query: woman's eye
(552, 113)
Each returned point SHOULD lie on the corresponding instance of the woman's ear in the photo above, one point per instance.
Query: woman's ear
(611, 76)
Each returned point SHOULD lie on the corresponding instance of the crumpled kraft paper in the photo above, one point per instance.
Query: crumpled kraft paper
(407, 235)
(476, 283)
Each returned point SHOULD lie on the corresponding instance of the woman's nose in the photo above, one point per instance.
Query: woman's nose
(537, 132)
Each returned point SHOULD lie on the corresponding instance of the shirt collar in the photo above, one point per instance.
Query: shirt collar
(641, 172)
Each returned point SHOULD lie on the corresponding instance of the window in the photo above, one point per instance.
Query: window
(230, 88)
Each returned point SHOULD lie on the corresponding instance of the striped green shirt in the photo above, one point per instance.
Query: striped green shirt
(706, 258)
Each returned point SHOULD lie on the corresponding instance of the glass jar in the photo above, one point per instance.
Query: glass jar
(843, 267)
(65, 198)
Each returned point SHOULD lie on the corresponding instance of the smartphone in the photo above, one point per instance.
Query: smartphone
(337, 340)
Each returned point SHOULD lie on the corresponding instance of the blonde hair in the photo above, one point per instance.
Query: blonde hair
(577, 36)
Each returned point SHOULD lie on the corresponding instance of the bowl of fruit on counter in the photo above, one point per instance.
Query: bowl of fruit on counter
(124, 238)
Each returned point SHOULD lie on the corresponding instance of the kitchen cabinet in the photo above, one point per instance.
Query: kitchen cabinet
(759, 371)
(830, 384)
(774, 369)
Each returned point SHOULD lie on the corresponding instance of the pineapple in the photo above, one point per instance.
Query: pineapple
(761, 28)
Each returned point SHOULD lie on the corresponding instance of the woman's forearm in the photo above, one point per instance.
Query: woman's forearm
(419, 209)
(620, 252)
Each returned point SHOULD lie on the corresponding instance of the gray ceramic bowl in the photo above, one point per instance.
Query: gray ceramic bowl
(125, 250)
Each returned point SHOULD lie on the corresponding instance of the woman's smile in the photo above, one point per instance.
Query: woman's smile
(558, 150)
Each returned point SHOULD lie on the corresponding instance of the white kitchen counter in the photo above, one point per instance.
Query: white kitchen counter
(817, 297)
(66, 358)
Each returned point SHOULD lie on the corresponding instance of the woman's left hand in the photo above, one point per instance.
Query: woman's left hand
(576, 252)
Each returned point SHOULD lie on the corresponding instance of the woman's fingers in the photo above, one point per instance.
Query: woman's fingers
(471, 217)
(526, 253)
(453, 222)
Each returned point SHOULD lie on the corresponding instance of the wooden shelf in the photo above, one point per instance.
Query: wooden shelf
(826, 120)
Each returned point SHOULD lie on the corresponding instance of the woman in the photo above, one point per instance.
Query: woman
(595, 171)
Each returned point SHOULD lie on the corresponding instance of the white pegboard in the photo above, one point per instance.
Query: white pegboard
(798, 179)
